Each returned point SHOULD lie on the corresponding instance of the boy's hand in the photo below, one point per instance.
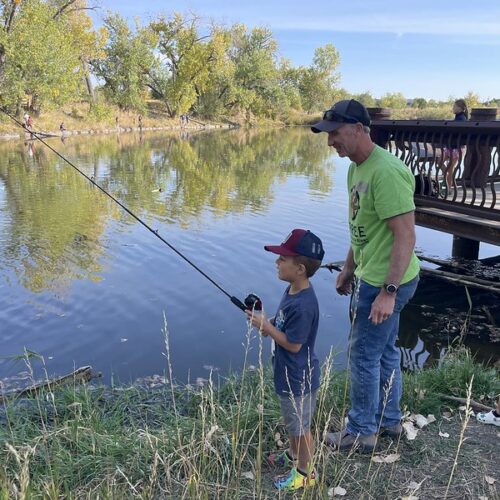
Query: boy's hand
(259, 321)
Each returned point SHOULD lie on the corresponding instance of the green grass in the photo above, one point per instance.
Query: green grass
(174, 442)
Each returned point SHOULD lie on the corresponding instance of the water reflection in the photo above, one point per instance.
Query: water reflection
(57, 217)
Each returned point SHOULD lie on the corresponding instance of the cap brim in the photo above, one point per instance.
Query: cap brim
(326, 126)
(280, 250)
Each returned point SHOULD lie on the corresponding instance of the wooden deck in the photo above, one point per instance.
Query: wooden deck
(470, 209)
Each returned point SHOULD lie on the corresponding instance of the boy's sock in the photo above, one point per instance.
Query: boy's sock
(302, 473)
(496, 414)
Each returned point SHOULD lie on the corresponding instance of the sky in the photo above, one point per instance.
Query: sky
(424, 48)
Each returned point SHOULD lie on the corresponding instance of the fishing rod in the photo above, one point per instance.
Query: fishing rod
(251, 301)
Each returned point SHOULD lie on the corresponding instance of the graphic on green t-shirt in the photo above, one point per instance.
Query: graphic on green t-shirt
(379, 188)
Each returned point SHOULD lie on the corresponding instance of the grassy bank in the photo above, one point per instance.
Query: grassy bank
(106, 117)
(102, 118)
(210, 442)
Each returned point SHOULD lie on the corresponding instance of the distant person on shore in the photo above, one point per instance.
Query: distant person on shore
(140, 123)
(62, 128)
(492, 417)
(296, 367)
(25, 119)
(29, 123)
(382, 265)
(450, 155)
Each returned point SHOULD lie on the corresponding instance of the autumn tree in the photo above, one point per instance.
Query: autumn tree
(394, 100)
(41, 49)
(128, 57)
(317, 82)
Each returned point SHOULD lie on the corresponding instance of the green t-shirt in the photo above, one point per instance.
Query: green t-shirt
(379, 188)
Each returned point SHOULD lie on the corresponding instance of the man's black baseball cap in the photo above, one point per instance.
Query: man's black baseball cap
(348, 111)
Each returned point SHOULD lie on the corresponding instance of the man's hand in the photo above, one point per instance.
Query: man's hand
(259, 321)
(344, 282)
(382, 307)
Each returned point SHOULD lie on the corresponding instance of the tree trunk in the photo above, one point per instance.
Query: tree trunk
(88, 81)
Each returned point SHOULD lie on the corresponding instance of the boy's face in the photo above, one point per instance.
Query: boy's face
(288, 270)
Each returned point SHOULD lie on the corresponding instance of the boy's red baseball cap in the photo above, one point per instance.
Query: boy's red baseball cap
(299, 242)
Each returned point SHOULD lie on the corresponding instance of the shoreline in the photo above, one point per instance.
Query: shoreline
(47, 134)
(166, 441)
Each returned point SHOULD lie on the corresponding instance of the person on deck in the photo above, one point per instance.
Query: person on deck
(449, 158)
(382, 265)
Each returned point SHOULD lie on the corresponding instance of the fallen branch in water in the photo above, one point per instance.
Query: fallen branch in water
(79, 376)
(490, 286)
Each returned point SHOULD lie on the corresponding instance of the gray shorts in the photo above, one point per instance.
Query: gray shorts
(297, 412)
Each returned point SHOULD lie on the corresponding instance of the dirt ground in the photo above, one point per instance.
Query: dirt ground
(422, 471)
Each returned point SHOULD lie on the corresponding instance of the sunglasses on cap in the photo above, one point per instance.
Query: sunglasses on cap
(334, 116)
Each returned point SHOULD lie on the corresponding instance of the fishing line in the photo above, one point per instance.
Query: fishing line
(251, 301)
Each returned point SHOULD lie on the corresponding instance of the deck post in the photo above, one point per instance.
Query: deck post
(477, 159)
(464, 248)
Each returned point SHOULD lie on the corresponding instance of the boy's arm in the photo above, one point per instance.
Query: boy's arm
(268, 329)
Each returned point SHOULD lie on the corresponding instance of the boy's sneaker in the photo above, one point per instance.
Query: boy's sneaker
(294, 480)
(280, 459)
(488, 418)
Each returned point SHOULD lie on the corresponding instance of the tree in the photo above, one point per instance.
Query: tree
(186, 62)
(256, 77)
(126, 64)
(394, 100)
(419, 103)
(42, 44)
(366, 99)
(317, 82)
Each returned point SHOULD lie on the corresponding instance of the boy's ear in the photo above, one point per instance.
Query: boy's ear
(302, 269)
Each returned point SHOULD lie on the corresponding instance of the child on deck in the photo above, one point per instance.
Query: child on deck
(296, 367)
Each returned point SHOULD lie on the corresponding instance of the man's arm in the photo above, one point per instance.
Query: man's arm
(403, 229)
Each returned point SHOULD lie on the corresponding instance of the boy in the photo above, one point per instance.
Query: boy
(296, 367)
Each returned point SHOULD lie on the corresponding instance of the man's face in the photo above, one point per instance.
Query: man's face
(345, 139)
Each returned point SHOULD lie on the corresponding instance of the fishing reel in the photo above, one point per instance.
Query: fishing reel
(252, 303)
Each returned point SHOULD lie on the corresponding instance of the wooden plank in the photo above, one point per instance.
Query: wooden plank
(462, 225)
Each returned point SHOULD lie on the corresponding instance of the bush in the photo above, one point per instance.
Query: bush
(101, 112)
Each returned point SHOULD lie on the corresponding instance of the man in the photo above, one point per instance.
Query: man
(381, 258)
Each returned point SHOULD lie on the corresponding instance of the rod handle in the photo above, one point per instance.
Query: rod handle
(237, 302)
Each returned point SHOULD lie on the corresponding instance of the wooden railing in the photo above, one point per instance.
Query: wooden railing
(456, 164)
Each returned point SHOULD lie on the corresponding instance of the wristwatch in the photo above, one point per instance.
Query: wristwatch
(391, 288)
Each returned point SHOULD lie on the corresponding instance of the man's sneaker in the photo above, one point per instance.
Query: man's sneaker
(343, 441)
(294, 480)
(393, 432)
(280, 459)
(488, 418)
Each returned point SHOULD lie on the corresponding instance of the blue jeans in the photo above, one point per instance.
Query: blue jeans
(374, 359)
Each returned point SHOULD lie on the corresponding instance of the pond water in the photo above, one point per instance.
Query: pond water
(82, 283)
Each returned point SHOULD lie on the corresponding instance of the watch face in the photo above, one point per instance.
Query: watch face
(391, 288)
